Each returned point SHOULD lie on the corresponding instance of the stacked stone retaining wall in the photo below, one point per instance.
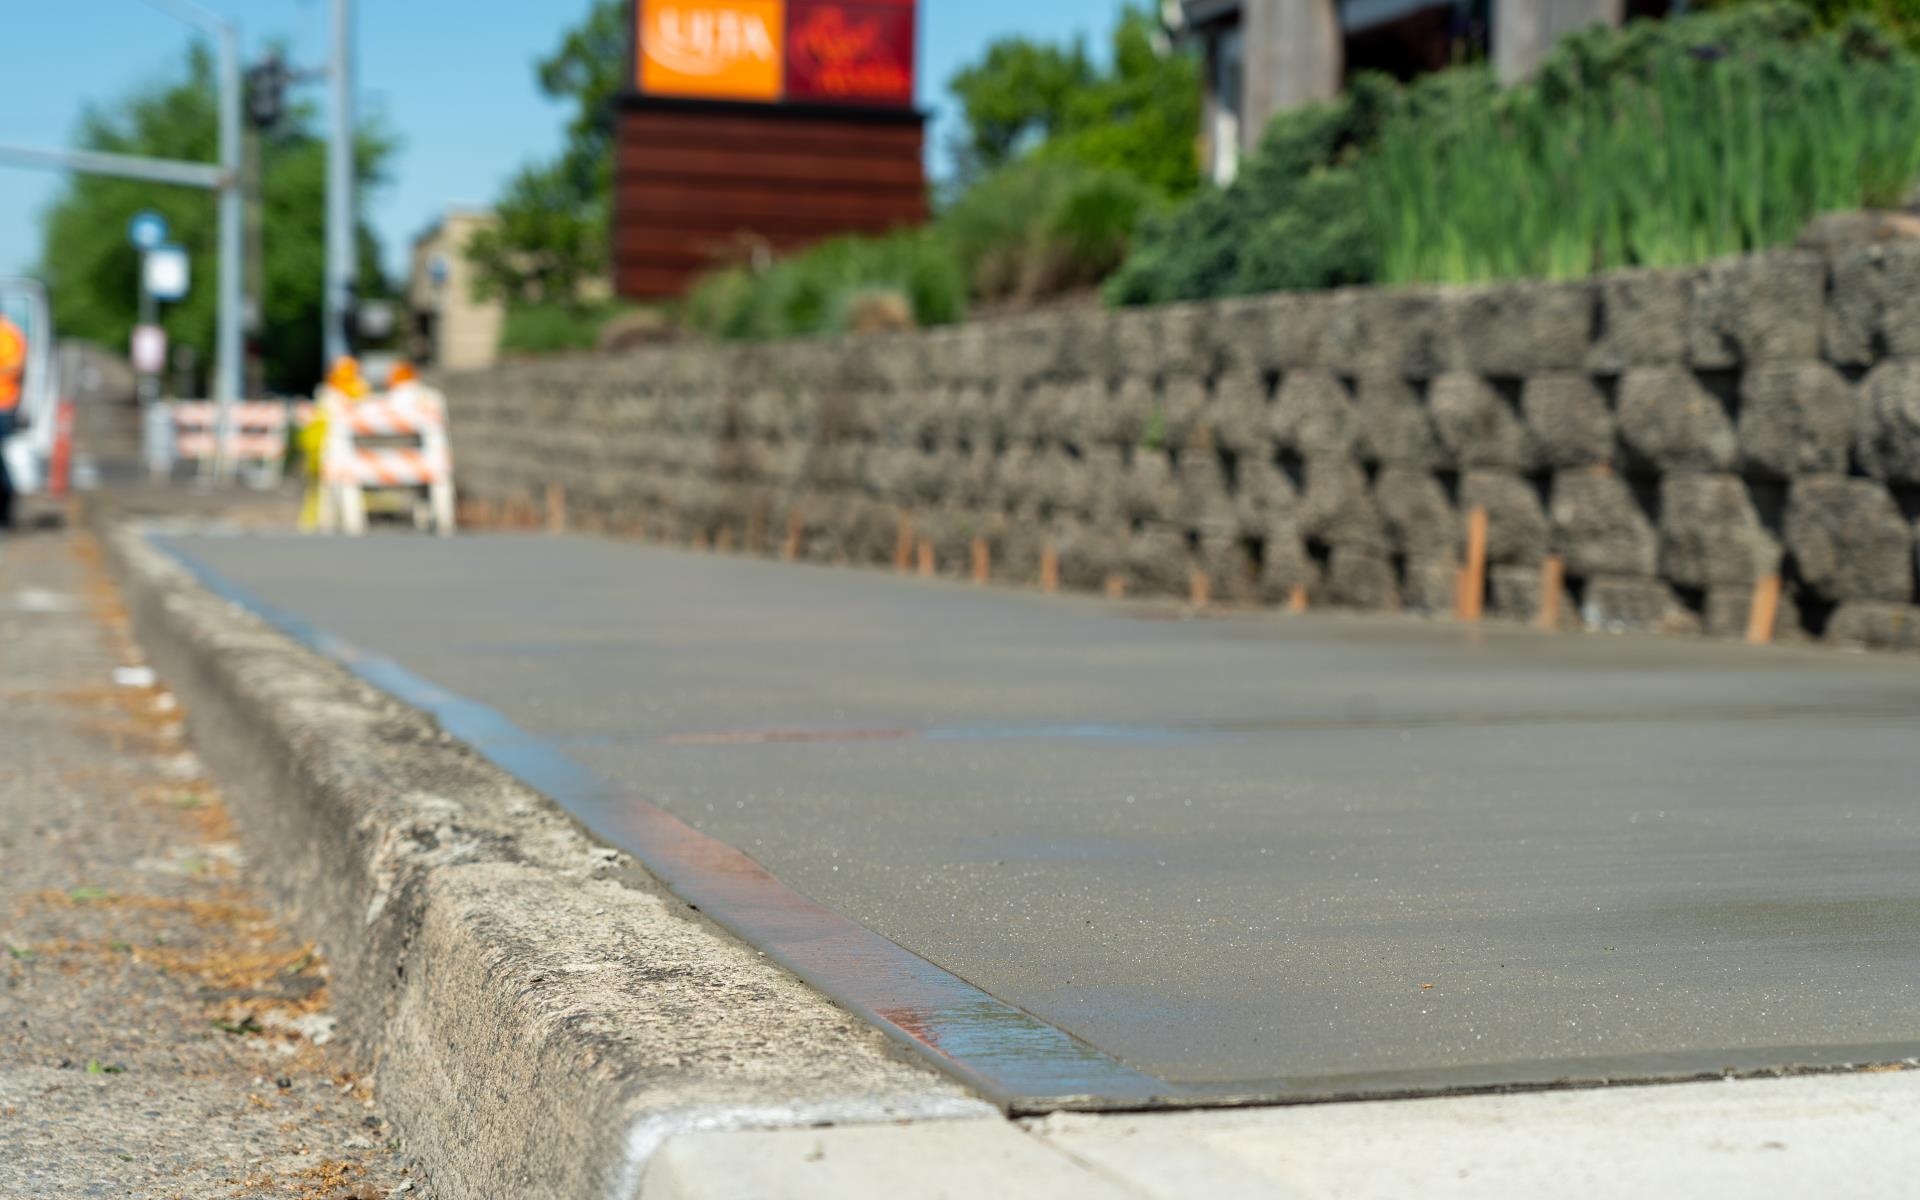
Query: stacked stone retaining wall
(1672, 436)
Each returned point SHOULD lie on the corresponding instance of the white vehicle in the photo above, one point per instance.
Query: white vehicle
(38, 453)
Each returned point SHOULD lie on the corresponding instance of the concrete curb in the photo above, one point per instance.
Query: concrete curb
(540, 1015)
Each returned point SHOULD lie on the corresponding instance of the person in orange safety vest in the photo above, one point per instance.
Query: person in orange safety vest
(13, 369)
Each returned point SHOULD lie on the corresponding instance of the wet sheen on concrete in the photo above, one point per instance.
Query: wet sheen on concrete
(1310, 854)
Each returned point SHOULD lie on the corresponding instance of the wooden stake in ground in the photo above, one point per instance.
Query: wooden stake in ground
(1116, 586)
(1297, 598)
(796, 532)
(1553, 581)
(926, 563)
(903, 545)
(556, 508)
(1199, 589)
(982, 561)
(1049, 569)
(1765, 610)
(1471, 601)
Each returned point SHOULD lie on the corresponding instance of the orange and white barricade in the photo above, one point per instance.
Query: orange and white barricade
(397, 440)
(196, 432)
(257, 440)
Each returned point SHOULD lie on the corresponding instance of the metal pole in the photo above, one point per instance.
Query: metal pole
(341, 267)
(122, 166)
(227, 351)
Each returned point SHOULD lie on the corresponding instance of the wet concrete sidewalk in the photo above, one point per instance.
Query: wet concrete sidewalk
(1265, 857)
(160, 1034)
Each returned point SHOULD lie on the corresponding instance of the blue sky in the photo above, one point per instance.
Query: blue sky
(453, 77)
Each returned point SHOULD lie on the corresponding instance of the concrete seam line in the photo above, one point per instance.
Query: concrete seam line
(538, 1013)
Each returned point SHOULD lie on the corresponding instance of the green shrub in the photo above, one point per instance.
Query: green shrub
(1042, 226)
(815, 291)
(555, 328)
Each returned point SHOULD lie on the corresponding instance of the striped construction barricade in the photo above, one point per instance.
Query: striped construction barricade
(256, 443)
(392, 441)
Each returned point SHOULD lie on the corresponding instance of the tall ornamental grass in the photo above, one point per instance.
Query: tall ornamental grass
(1701, 150)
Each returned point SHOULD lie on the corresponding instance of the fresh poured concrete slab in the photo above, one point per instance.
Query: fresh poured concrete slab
(1250, 856)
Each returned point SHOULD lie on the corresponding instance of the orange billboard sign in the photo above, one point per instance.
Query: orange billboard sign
(713, 49)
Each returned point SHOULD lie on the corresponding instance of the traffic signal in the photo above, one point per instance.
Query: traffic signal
(267, 83)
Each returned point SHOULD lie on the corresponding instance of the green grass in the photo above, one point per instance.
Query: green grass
(1703, 155)
(1662, 144)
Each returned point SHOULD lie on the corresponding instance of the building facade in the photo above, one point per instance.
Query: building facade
(452, 329)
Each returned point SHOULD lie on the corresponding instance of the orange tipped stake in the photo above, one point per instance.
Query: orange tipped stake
(796, 531)
(1471, 602)
(1116, 586)
(1049, 570)
(1765, 611)
(1199, 589)
(1553, 581)
(1297, 598)
(556, 508)
(925, 559)
(903, 544)
(982, 561)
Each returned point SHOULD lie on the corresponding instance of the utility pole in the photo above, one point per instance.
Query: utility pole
(341, 267)
(228, 352)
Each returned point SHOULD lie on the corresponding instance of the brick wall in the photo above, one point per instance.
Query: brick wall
(1671, 436)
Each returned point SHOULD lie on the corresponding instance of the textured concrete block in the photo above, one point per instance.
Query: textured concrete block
(1237, 417)
(1157, 561)
(1397, 333)
(1873, 308)
(1428, 584)
(1232, 572)
(1133, 338)
(1795, 419)
(1476, 424)
(1710, 533)
(1357, 578)
(1285, 563)
(1849, 541)
(1880, 626)
(1338, 509)
(1517, 530)
(1183, 409)
(1262, 494)
(1767, 306)
(1204, 502)
(1618, 604)
(1887, 435)
(1149, 489)
(1729, 608)
(1393, 426)
(1517, 329)
(1132, 406)
(1515, 593)
(1669, 422)
(1419, 517)
(1640, 319)
(1568, 420)
(1313, 414)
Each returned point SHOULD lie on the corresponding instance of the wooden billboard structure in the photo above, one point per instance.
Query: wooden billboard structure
(753, 127)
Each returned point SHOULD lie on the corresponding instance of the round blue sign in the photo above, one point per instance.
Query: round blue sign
(147, 230)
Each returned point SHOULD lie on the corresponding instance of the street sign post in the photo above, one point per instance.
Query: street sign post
(149, 349)
(147, 230)
(166, 273)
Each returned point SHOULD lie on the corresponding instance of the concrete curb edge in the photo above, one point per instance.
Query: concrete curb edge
(539, 1014)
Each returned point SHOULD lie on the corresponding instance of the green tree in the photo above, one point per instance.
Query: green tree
(1139, 114)
(94, 274)
(554, 216)
(1016, 96)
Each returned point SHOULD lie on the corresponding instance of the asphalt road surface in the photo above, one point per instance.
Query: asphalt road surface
(1256, 852)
